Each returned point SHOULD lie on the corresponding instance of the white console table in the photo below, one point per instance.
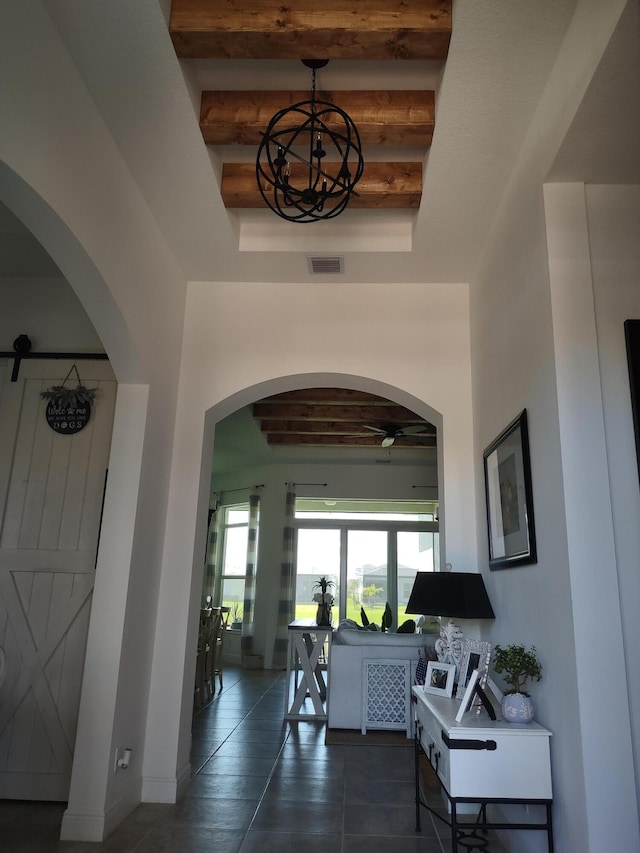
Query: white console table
(481, 761)
(307, 641)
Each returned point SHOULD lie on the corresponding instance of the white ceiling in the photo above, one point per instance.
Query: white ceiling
(501, 53)
(603, 142)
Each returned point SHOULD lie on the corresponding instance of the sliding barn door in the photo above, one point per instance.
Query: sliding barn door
(51, 490)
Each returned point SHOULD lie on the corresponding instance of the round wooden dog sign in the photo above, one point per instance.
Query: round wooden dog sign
(67, 420)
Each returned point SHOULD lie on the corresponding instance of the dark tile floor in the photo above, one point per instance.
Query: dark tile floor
(259, 786)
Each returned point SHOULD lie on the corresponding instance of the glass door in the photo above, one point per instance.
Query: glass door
(367, 575)
(318, 555)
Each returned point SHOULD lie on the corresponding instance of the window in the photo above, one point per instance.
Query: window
(233, 538)
(371, 551)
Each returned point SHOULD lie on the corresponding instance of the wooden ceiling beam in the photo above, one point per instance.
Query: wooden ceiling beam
(383, 186)
(400, 118)
(334, 29)
(324, 427)
(337, 440)
(363, 414)
(325, 395)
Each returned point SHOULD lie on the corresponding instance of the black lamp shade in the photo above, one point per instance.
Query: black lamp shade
(458, 594)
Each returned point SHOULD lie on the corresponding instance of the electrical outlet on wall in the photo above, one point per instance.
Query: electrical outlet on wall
(122, 758)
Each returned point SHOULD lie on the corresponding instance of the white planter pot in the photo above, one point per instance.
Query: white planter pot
(517, 708)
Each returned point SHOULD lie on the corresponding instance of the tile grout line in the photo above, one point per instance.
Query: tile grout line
(271, 772)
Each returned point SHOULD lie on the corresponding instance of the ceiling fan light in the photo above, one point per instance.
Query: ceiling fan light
(388, 441)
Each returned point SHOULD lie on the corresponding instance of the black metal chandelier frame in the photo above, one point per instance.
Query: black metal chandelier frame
(294, 177)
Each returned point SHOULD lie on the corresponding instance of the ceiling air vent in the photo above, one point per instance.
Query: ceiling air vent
(326, 266)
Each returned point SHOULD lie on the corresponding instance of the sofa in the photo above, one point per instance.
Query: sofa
(350, 647)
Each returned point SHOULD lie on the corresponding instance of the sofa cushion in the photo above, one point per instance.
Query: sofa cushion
(354, 637)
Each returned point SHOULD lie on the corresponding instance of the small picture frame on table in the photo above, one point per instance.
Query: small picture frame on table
(493, 688)
(439, 679)
(469, 695)
(476, 654)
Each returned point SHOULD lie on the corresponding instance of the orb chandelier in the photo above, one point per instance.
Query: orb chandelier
(310, 158)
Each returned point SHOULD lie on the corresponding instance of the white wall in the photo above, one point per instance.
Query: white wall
(613, 221)
(49, 312)
(63, 176)
(608, 767)
(525, 345)
(409, 342)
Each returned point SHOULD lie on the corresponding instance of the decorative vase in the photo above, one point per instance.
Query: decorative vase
(323, 615)
(517, 708)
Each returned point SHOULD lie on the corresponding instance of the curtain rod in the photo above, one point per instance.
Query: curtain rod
(306, 484)
(239, 489)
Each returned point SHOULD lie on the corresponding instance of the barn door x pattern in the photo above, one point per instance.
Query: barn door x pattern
(51, 490)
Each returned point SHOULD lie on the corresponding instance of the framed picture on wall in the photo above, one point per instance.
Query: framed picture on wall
(632, 340)
(507, 478)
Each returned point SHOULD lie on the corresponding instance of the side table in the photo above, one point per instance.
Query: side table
(307, 641)
(482, 761)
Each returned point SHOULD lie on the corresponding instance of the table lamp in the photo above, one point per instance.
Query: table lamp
(454, 594)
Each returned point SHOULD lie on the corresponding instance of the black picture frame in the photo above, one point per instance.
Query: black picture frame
(632, 341)
(509, 496)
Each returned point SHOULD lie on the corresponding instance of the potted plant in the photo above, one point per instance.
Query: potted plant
(324, 600)
(517, 665)
(236, 614)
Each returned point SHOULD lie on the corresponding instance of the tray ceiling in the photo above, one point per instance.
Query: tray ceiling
(388, 121)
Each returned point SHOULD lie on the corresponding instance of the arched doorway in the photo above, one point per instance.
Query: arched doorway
(321, 462)
(52, 499)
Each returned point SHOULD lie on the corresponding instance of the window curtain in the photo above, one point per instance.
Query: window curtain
(246, 642)
(286, 604)
(208, 587)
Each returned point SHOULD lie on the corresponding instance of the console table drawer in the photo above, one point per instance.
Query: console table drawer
(430, 734)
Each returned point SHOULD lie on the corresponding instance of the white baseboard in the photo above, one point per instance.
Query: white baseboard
(164, 789)
(98, 826)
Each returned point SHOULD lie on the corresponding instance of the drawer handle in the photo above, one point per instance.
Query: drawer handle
(452, 743)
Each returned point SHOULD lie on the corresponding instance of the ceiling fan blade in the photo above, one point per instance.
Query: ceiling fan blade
(375, 429)
(416, 430)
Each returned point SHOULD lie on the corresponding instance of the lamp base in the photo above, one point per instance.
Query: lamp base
(449, 645)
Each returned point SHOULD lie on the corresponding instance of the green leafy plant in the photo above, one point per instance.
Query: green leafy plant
(371, 592)
(236, 611)
(387, 617)
(517, 665)
(323, 585)
(69, 398)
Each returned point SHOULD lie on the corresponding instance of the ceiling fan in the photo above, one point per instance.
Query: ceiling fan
(392, 431)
